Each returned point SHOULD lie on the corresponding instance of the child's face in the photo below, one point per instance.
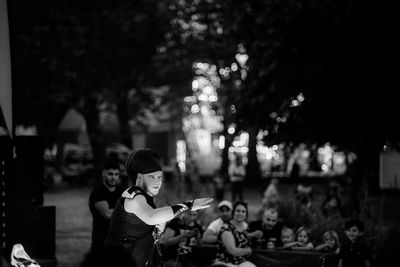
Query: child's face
(353, 234)
(302, 237)
(331, 241)
(287, 237)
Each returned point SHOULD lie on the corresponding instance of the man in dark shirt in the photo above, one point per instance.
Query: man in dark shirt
(181, 240)
(268, 229)
(354, 253)
(102, 201)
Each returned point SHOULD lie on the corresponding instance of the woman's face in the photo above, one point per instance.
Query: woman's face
(240, 213)
(302, 237)
(151, 182)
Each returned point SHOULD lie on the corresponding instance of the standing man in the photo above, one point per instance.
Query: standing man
(102, 201)
(136, 224)
(236, 173)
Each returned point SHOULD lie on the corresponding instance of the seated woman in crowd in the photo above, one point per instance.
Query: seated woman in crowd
(302, 240)
(331, 243)
(233, 245)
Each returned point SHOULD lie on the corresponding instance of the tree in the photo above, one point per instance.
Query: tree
(87, 54)
(318, 51)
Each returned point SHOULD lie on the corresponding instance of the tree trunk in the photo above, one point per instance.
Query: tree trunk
(363, 173)
(225, 154)
(91, 115)
(123, 116)
(253, 173)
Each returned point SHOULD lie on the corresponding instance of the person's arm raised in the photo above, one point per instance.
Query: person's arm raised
(146, 213)
(150, 216)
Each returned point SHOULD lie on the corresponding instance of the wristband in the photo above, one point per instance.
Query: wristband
(189, 204)
(179, 208)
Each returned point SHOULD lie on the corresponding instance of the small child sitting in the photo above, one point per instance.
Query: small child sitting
(355, 252)
(287, 236)
(331, 243)
(302, 240)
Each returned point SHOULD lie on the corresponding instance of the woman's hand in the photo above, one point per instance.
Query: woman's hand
(201, 203)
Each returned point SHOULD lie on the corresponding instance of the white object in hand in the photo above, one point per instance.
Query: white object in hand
(201, 203)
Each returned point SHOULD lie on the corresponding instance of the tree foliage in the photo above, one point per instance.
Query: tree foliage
(339, 55)
(90, 55)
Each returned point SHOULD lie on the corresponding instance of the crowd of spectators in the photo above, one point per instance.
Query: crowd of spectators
(235, 237)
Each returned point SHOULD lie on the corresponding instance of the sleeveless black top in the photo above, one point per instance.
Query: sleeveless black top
(126, 227)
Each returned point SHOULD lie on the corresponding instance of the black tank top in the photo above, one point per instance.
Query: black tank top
(127, 227)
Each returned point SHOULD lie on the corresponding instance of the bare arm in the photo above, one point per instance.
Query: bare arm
(340, 264)
(146, 213)
(309, 246)
(321, 247)
(209, 237)
(229, 243)
(256, 234)
(169, 238)
(138, 205)
(103, 209)
(290, 244)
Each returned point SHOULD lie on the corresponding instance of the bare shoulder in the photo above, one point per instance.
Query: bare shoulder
(132, 204)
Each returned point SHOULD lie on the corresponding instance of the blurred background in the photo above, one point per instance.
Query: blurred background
(303, 91)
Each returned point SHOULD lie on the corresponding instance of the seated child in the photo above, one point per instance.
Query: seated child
(287, 236)
(330, 243)
(302, 240)
(355, 252)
